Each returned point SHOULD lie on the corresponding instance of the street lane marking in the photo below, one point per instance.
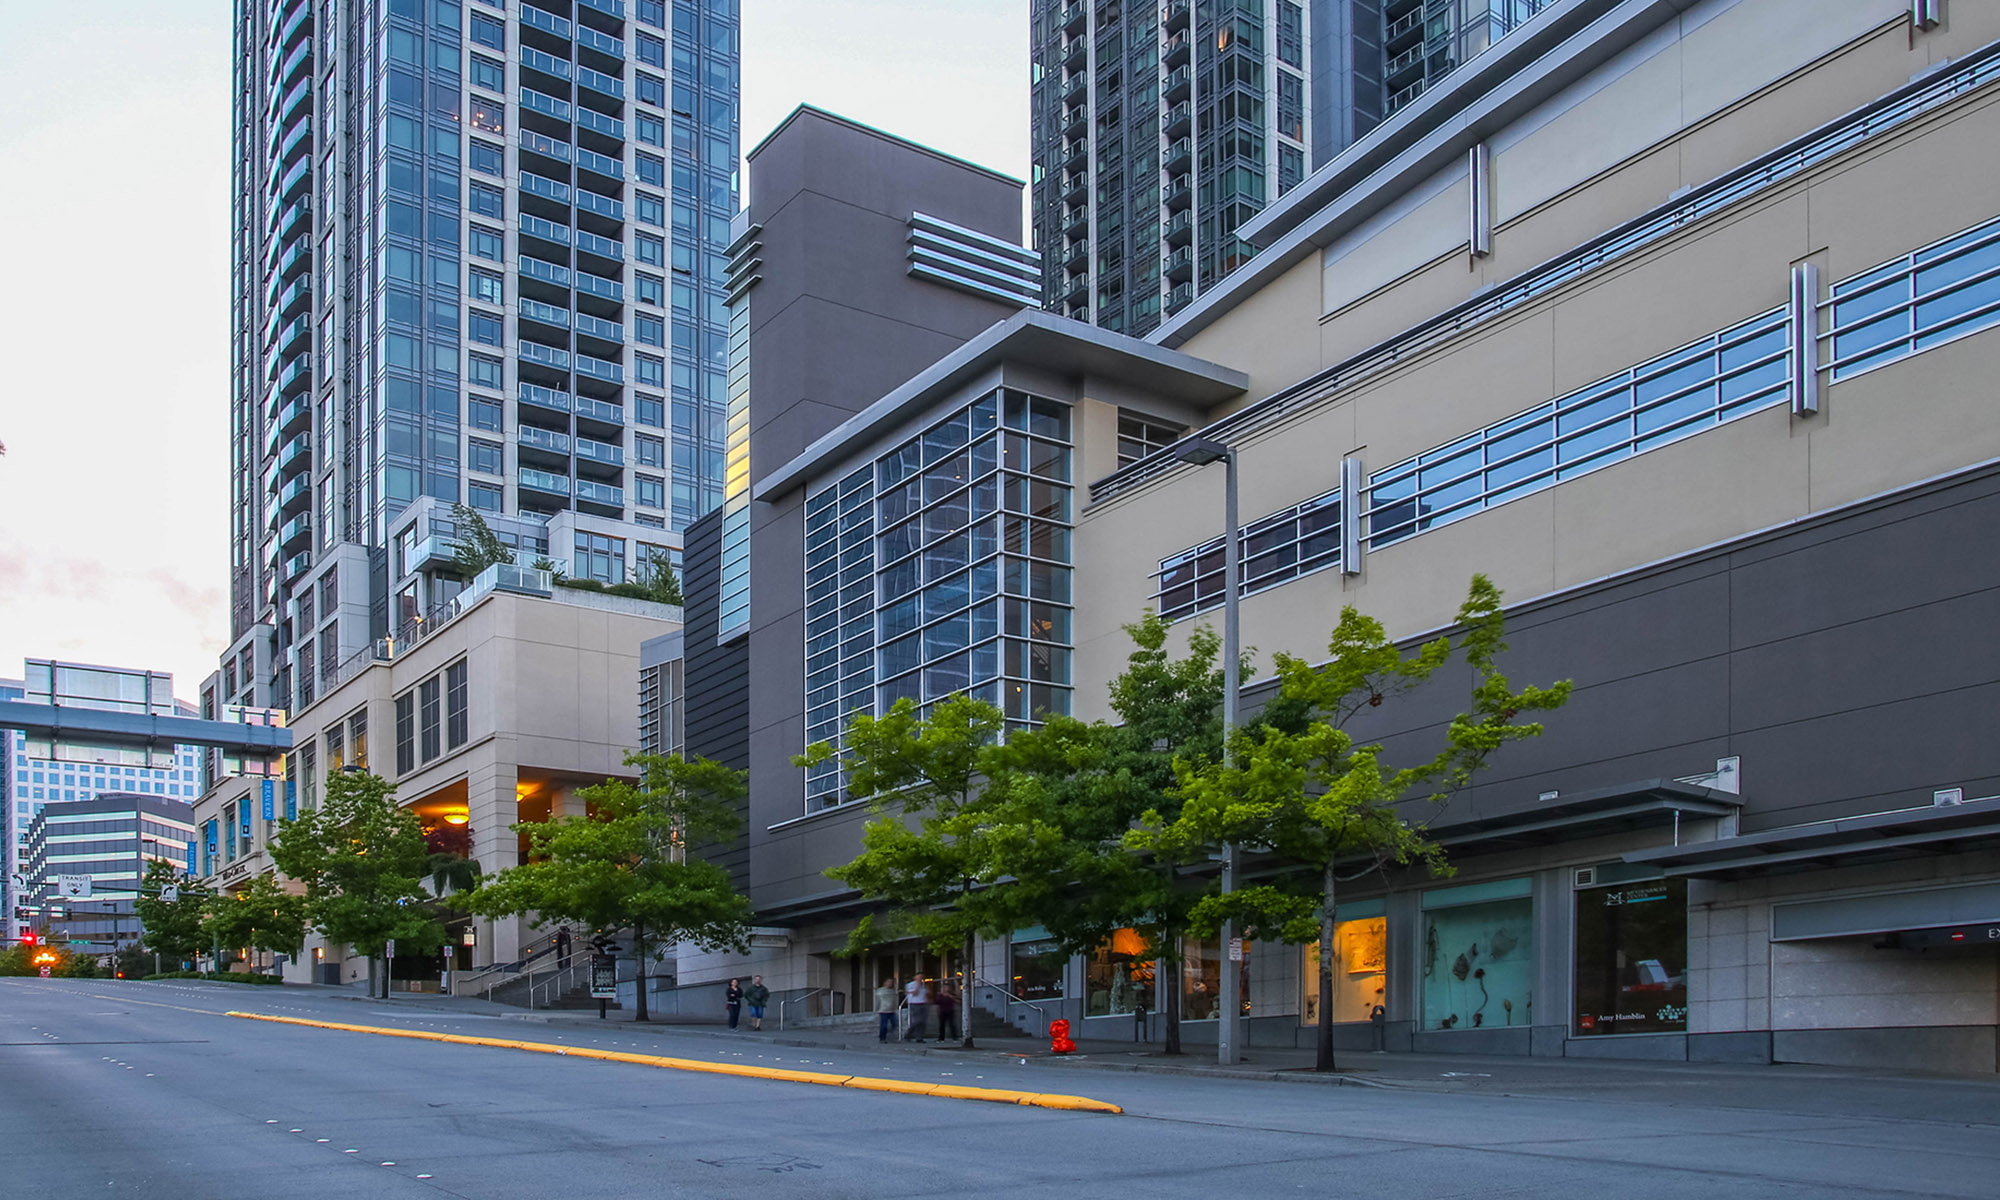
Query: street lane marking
(859, 1082)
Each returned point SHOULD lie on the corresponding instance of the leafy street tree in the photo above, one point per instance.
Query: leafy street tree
(263, 916)
(927, 770)
(478, 547)
(172, 927)
(656, 576)
(363, 862)
(1317, 800)
(625, 865)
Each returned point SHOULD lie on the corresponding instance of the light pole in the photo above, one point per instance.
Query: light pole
(1201, 451)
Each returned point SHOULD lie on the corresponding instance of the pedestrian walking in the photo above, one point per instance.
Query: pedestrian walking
(562, 946)
(947, 1008)
(885, 1008)
(756, 996)
(918, 994)
(733, 1001)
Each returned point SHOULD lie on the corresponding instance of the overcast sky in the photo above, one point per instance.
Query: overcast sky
(114, 280)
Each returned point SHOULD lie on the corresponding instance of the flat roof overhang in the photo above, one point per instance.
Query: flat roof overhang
(1845, 841)
(1620, 808)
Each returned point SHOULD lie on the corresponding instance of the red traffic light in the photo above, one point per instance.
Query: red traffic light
(27, 939)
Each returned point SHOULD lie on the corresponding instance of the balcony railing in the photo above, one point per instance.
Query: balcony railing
(597, 327)
(548, 106)
(603, 43)
(547, 314)
(547, 64)
(600, 493)
(598, 410)
(548, 231)
(598, 81)
(548, 189)
(600, 452)
(550, 398)
(542, 143)
(603, 247)
(591, 160)
(596, 285)
(597, 122)
(544, 439)
(603, 206)
(542, 481)
(597, 368)
(547, 272)
(535, 18)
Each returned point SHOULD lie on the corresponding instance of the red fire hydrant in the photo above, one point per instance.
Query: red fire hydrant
(1059, 1042)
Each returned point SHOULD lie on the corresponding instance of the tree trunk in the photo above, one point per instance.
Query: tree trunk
(1323, 1060)
(1168, 993)
(966, 975)
(639, 951)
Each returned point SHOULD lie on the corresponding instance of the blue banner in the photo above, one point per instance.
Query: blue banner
(291, 800)
(270, 804)
(190, 845)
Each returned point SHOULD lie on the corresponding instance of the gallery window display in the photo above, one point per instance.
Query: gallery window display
(1118, 976)
(1201, 979)
(1631, 958)
(1360, 951)
(1038, 964)
(1477, 956)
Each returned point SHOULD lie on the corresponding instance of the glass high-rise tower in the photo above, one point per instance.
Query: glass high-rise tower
(1160, 126)
(478, 259)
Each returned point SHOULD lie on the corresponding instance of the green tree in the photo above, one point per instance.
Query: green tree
(363, 862)
(263, 915)
(172, 927)
(656, 576)
(1316, 799)
(477, 547)
(923, 853)
(625, 864)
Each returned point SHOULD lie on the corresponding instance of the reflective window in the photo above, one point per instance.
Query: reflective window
(1943, 291)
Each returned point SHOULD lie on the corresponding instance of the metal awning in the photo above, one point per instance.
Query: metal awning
(1877, 837)
(1625, 807)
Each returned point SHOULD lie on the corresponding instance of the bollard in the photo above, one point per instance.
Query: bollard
(1378, 1028)
(1059, 1040)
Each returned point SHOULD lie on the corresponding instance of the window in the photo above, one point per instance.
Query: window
(406, 733)
(649, 329)
(1275, 549)
(1943, 291)
(486, 200)
(650, 411)
(489, 73)
(1631, 957)
(1480, 939)
(1291, 35)
(487, 159)
(649, 370)
(482, 455)
(649, 209)
(652, 491)
(650, 128)
(1360, 952)
(649, 450)
(336, 749)
(487, 31)
(651, 50)
(1140, 435)
(650, 168)
(483, 414)
(650, 289)
(454, 705)
(482, 496)
(483, 371)
(429, 716)
(483, 327)
(357, 738)
(649, 249)
(650, 89)
(488, 287)
(1698, 386)
(598, 557)
(486, 243)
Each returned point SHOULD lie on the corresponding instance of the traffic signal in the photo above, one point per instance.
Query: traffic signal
(28, 938)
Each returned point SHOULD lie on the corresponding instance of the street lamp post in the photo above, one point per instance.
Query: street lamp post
(1201, 451)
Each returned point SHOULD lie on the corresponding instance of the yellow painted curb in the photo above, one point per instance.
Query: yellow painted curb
(862, 1082)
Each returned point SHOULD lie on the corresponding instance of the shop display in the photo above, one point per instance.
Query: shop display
(1359, 981)
(1631, 958)
(1478, 968)
(1118, 976)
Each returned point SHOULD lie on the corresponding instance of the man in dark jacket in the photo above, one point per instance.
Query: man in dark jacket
(757, 996)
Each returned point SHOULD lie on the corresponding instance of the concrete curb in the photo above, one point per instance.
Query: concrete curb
(860, 1082)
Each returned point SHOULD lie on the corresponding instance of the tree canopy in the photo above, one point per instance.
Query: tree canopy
(263, 916)
(172, 927)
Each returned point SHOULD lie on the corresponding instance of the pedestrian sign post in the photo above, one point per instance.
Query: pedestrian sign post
(603, 981)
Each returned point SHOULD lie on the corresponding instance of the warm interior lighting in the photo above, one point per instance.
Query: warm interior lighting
(454, 818)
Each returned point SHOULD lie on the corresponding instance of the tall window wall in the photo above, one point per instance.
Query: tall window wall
(943, 568)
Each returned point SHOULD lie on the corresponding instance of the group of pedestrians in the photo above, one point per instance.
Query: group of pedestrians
(756, 996)
(919, 997)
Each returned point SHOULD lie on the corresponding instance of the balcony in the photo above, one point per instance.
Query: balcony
(1177, 49)
(553, 358)
(299, 256)
(600, 43)
(550, 273)
(288, 71)
(292, 335)
(533, 101)
(597, 456)
(590, 160)
(288, 106)
(611, 416)
(293, 27)
(600, 370)
(1075, 124)
(294, 181)
(606, 133)
(1180, 265)
(1178, 153)
(295, 297)
(1075, 188)
(1075, 156)
(298, 140)
(295, 219)
(294, 416)
(554, 191)
(298, 491)
(545, 446)
(293, 453)
(297, 529)
(543, 482)
(1076, 254)
(533, 226)
(603, 247)
(602, 206)
(1175, 16)
(1180, 192)
(615, 9)
(293, 377)
(1077, 89)
(1404, 67)
(549, 23)
(297, 565)
(1180, 297)
(602, 330)
(547, 64)
(1075, 53)
(596, 285)
(545, 398)
(546, 146)
(1177, 84)
(1179, 229)
(547, 314)
(1401, 30)
(1398, 99)
(1176, 120)
(1076, 17)
(599, 82)
(600, 497)
(1076, 223)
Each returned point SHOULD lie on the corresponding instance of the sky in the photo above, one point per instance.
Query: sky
(114, 281)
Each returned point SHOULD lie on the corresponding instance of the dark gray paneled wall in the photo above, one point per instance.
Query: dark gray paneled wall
(716, 716)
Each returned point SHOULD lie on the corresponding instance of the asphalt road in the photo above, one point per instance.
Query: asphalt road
(123, 1088)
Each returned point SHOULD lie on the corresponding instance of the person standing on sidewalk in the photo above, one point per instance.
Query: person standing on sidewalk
(562, 946)
(733, 1001)
(947, 1008)
(885, 1008)
(757, 996)
(918, 994)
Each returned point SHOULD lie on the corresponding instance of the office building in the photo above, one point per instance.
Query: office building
(36, 772)
(1678, 321)
(109, 838)
(1159, 127)
(477, 259)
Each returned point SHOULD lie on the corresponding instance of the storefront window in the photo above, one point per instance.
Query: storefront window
(1038, 967)
(1631, 958)
(1118, 977)
(1201, 980)
(1478, 956)
(1360, 947)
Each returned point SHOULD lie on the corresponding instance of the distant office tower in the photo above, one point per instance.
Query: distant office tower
(1160, 126)
(478, 259)
(109, 837)
(38, 772)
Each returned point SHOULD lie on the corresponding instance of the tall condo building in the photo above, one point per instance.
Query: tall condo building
(1160, 126)
(478, 259)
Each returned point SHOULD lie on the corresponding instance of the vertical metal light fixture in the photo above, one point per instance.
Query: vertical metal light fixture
(1200, 451)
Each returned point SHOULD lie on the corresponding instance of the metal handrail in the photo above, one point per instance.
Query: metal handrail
(555, 984)
(785, 1004)
(487, 978)
(977, 981)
